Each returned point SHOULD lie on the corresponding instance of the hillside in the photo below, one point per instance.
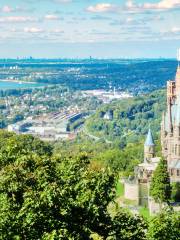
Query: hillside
(131, 118)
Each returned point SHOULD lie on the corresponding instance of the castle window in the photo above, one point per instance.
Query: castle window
(176, 148)
(178, 172)
(171, 172)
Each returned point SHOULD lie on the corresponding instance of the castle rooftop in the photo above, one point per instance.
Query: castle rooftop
(149, 140)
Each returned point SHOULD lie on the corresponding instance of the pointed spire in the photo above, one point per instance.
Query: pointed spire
(149, 139)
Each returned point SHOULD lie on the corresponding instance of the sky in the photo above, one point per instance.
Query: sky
(84, 28)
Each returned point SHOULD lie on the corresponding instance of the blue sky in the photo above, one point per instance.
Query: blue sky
(83, 28)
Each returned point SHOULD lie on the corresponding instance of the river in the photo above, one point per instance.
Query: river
(18, 85)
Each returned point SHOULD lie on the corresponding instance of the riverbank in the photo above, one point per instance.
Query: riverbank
(17, 81)
(5, 85)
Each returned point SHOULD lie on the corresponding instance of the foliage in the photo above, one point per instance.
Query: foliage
(128, 227)
(43, 196)
(131, 120)
(122, 160)
(107, 155)
(165, 225)
(160, 188)
(144, 211)
(46, 197)
(175, 195)
(120, 189)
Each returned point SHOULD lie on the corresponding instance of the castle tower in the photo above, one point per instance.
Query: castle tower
(149, 147)
(178, 81)
(170, 127)
(178, 74)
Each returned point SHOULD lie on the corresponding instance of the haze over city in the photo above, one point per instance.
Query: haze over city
(82, 28)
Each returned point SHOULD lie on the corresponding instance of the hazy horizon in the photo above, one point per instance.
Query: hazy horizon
(83, 28)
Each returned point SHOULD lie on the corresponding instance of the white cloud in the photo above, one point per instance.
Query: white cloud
(7, 9)
(51, 17)
(102, 7)
(161, 5)
(133, 6)
(16, 19)
(175, 30)
(33, 30)
(57, 30)
(63, 1)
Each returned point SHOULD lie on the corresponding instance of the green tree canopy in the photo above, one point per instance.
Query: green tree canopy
(56, 197)
(128, 227)
(165, 225)
(160, 188)
(42, 195)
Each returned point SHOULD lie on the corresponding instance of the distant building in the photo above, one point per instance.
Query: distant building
(109, 115)
(51, 128)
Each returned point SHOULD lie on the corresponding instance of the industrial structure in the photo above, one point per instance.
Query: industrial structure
(53, 127)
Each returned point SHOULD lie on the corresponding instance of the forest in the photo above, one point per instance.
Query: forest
(131, 118)
(46, 194)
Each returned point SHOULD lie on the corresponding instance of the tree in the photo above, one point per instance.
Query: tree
(160, 188)
(128, 227)
(44, 197)
(165, 225)
(175, 192)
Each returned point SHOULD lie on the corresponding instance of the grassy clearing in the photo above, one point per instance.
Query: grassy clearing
(120, 189)
(143, 211)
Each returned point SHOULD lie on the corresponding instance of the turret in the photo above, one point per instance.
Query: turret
(178, 81)
(177, 120)
(178, 74)
(163, 131)
(149, 147)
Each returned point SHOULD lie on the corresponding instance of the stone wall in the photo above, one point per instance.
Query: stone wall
(131, 191)
(154, 207)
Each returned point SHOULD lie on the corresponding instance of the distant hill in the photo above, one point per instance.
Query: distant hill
(136, 76)
(131, 118)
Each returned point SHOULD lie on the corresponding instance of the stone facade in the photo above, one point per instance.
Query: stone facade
(170, 128)
(131, 191)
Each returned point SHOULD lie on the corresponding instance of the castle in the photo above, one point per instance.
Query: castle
(170, 128)
(138, 189)
(170, 136)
